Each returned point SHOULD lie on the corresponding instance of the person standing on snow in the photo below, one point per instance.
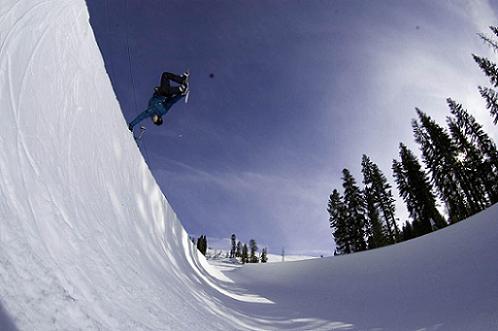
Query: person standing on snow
(164, 97)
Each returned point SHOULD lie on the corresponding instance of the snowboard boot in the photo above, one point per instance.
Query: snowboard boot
(184, 77)
(183, 89)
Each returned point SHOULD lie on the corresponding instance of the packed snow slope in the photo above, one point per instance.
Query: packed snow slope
(89, 242)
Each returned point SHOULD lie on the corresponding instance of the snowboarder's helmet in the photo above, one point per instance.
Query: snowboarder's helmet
(157, 120)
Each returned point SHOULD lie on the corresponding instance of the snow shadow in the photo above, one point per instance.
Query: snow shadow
(6, 323)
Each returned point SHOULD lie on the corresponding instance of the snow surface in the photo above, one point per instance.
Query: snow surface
(89, 242)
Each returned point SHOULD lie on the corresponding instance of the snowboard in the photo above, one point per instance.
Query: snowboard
(187, 84)
(140, 135)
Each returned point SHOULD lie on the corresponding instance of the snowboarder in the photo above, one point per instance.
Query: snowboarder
(164, 97)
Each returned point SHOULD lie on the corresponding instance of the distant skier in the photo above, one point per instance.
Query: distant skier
(164, 97)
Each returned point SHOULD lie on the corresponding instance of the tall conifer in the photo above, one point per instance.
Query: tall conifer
(338, 223)
(485, 148)
(381, 192)
(470, 161)
(375, 232)
(354, 202)
(491, 98)
(253, 258)
(441, 158)
(264, 256)
(238, 251)
(415, 189)
(407, 232)
(234, 245)
(245, 254)
(490, 69)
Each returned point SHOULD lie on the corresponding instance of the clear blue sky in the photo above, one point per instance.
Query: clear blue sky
(301, 89)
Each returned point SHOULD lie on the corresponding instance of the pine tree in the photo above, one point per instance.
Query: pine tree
(234, 246)
(489, 40)
(379, 192)
(415, 189)
(375, 232)
(490, 69)
(485, 148)
(338, 223)
(491, 98)
(238, 252)
(419, 228)
(199, 244)
(354, 202)
(202, 244)
(441, 158)
(244, 255)
(386, 203)
(470, 161)
(407, 232)
(253, 248)
(264, 256)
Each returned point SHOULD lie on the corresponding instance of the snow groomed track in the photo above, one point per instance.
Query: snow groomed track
(88, 240)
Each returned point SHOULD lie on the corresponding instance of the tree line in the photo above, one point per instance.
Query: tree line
(461, 169)
(201, 244)
(247, 254)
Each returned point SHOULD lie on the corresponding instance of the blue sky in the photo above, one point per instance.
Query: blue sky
(301, 89)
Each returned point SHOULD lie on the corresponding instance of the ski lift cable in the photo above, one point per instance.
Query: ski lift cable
(108, 31)
(128, 48)
(129, 57)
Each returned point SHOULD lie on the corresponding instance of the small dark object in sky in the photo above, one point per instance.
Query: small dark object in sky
(417, 27)
(211, 75)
